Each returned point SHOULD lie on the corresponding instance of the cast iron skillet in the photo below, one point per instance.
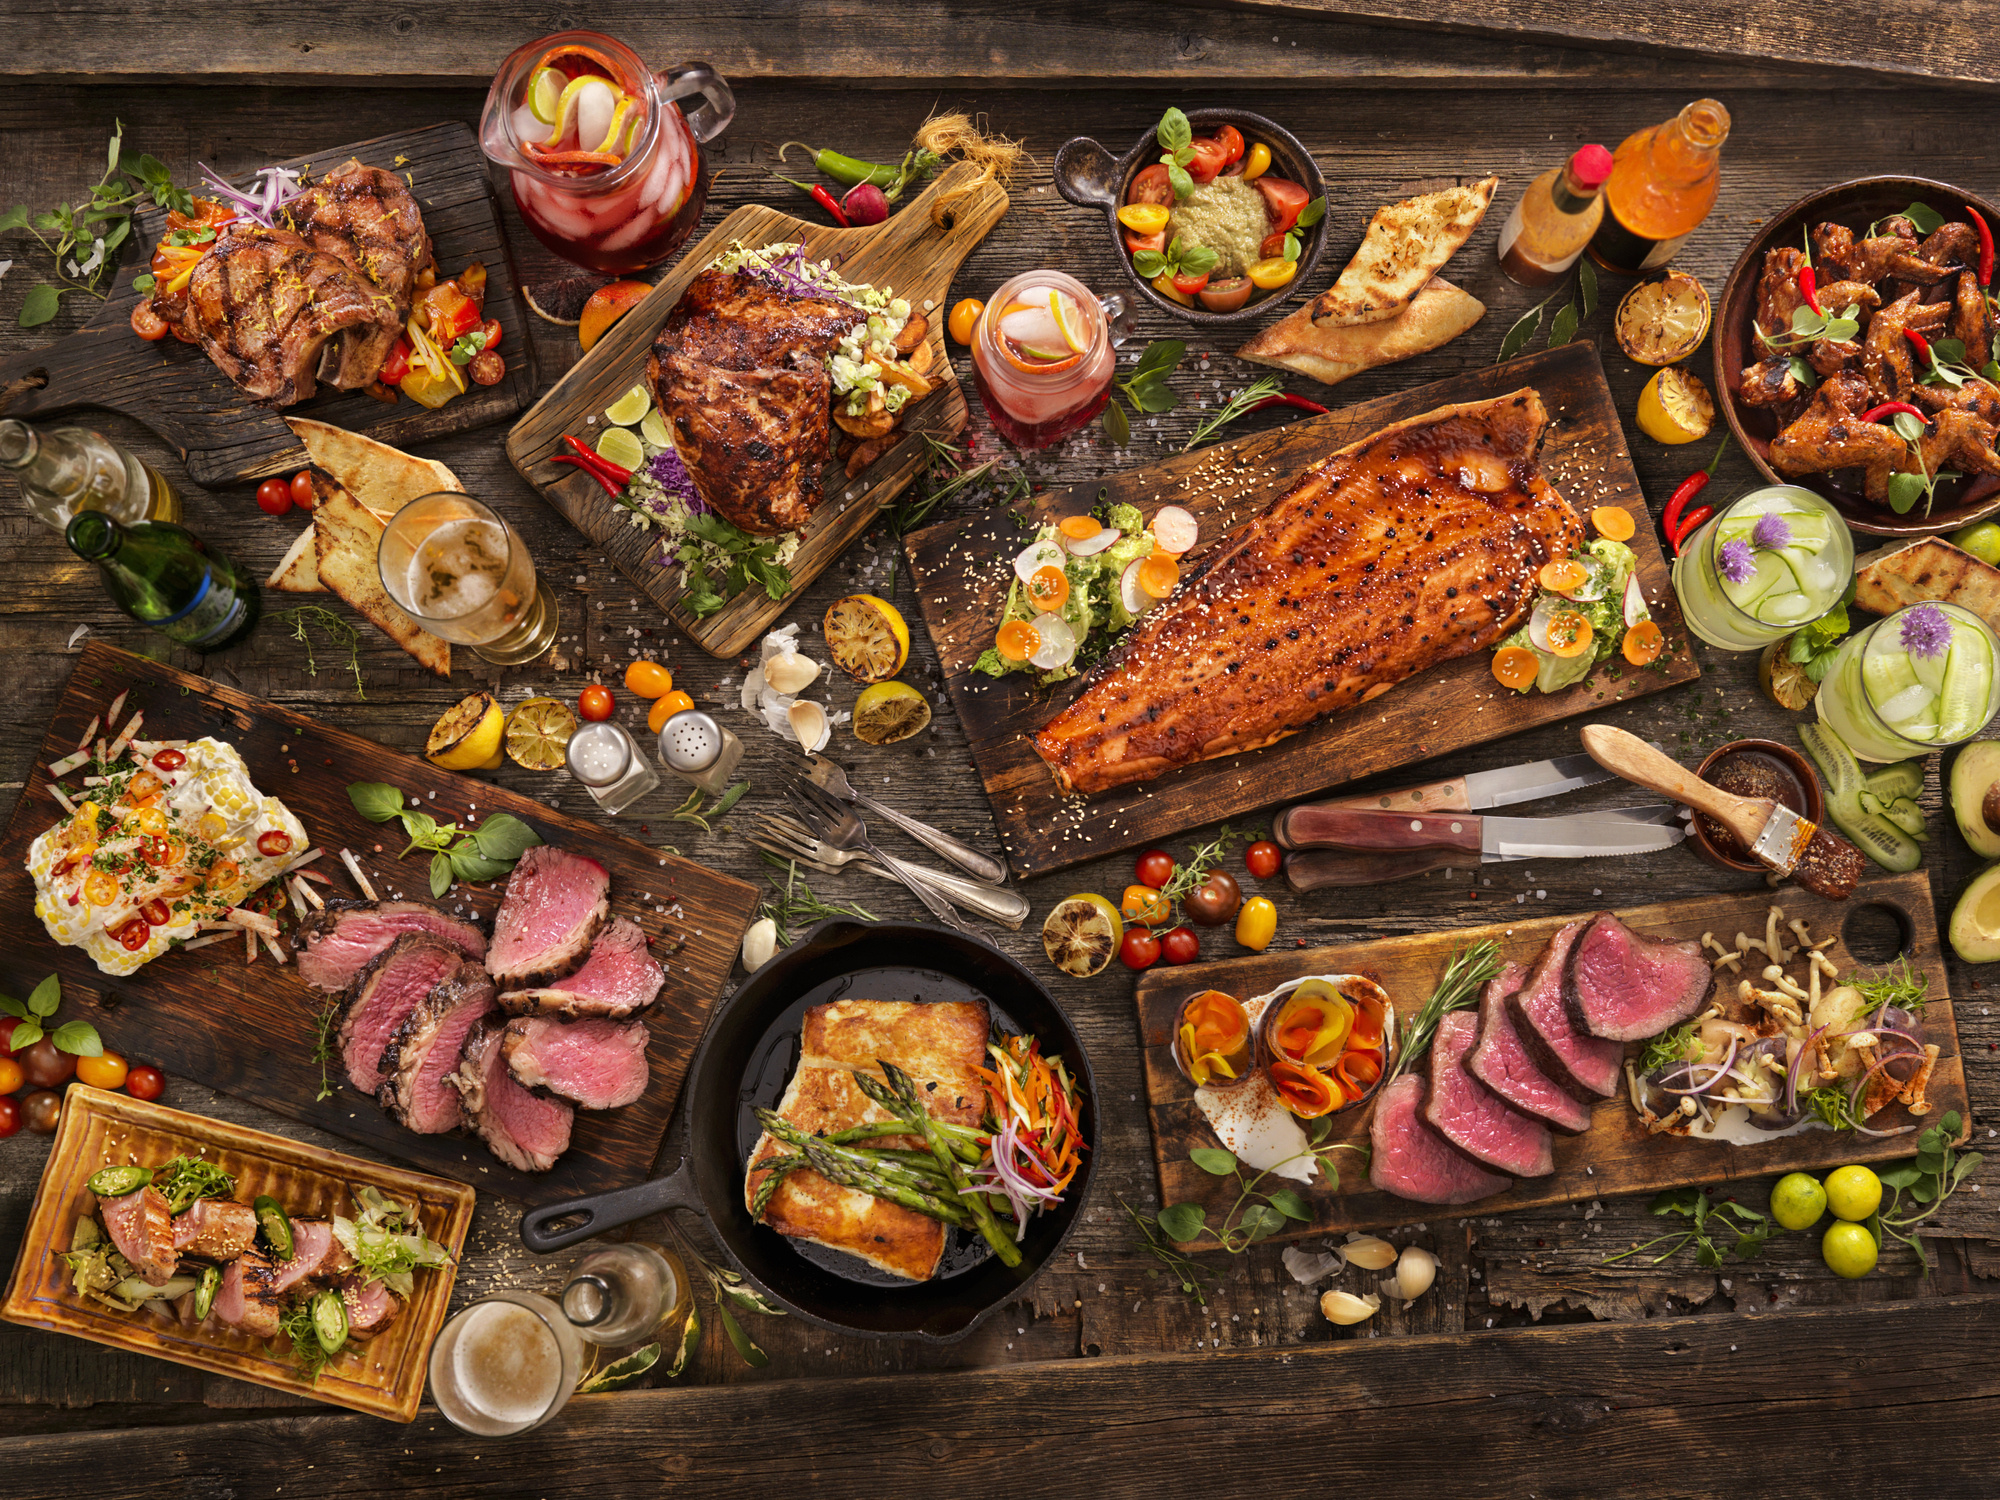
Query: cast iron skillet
(888, 961)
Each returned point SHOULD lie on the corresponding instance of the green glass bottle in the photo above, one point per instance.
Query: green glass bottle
(164, 577)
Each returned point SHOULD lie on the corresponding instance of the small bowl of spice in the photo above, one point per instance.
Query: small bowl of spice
(1754, 768)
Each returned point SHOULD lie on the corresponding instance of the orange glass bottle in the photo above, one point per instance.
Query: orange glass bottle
(1662, 185)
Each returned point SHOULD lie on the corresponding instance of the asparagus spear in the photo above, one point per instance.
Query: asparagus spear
(839, 1170)
(923, 1176)
(966, 1143)
(774, 1173)
(902, 1097)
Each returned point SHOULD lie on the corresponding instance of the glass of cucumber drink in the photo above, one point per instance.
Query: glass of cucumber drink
(1764, 565)
(1921, 679)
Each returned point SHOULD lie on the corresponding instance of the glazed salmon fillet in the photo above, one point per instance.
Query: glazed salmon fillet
(1418, 544)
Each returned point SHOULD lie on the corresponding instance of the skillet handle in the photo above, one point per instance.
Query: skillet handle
(602, 1211)
(1086, 174)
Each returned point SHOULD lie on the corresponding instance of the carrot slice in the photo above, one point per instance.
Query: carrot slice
(1643, 643)
(1515, 667)
(1018, 640)
(1613, 522)
(1563, 574)
(1569, 634)
(1079, 528)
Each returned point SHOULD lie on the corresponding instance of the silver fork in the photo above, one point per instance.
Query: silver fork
(841, 826)
(789, 839)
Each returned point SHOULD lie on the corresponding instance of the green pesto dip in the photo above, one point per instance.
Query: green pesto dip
(1226, 215)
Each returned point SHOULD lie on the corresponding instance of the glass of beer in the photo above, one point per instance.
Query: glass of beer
(462, 573)
(505, 1364)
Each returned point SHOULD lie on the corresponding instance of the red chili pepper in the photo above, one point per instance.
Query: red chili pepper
(823, 198)
(1893, 408)
(1286, 398)
(614, 477)
(1809, 288)
(1985, 234)
(1690, 525)
(1923, 344)
(1688, 488)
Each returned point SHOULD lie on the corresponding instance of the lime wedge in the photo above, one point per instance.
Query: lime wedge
(655, 430)
(622, 448)
(545, 94)
(630, 407)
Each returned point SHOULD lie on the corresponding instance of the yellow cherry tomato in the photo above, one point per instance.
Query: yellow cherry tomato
(648, 679)
(1257, 923)
(1143, 218)
(221, 875)
(1164, 285)
(105, 1072)
(1256, 162)
(665, 707)
(1275, 272)
(11, 1076)
(148, 820)
(964, 318)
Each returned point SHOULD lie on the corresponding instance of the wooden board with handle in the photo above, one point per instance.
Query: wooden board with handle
(250, 1029)
(1615, 1155)
(962, 569)
(906, 253)
(226, 437)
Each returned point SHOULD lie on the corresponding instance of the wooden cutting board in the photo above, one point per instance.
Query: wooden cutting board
(962, 570)
(248, 1029)
(1615, 1155)
(226, 438)
(906, 253)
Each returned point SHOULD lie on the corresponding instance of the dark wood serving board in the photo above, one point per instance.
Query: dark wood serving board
(907, 253)
(225, 437)
(1615, 1155)
(962, 568)
(248, 1029)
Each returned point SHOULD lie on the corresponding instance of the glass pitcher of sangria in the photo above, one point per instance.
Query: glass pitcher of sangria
(604, 167)
(1044, 354)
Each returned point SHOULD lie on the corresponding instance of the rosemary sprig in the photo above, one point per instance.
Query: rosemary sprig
(795, 901)
(1243, 401)
(1457, 989)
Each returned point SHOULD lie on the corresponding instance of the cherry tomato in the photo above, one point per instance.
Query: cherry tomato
(491, 328)
(1152, 185)
(274, 497)
(1155, 868)
(1263, 859)
(1284, 201)
(1273, 246)
(1210, 157)
(1142, 904)
(648, 679)
(42, 1111)
(1180, 946)
(156, 912)
(11, 1076)
(170, 759)
(274, 841)
(135, 934)
(665, 707)
(1187, 285)
(1231, 140)
(1140, 950)
(1215, 901)
(149, 325)
(46, 1066)
(1256, 925)
(1227, 294)
(1135, 242)
(10, 1117)
(595, 702)
(7, 1025)
(965, 315)
(105, 1072)
(145, 1083)
(302, 490)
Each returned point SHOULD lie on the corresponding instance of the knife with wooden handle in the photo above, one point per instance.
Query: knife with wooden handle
(1361, 846)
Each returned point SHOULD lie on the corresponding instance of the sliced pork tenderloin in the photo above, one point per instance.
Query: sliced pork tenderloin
(555, 903)
(595, 1064)
(218, 1229)
(1411, 1160)
(1625, 987)
(245, 1300)
(371, 1306)
(142, 1230)
(618, 980)
(524, 1130)
(1570, 1055)
(393, 985)
(335, 945)
(1502, 1061)
(1474, 1118)
(426, 1048)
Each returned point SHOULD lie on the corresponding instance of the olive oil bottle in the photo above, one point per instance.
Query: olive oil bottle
(165, 577)
(64, 470)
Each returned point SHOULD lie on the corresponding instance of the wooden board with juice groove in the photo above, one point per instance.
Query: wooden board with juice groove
(249, 1030)
(383, 1376)
(961, 583)
(224, 436)
(906, 252)
(1615, 1155)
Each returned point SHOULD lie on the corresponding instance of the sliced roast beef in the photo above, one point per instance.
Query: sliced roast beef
(595, 1064)
(524, 1130)
(555, 903)
(142, 1231)
(1502, 1061)
(335, 945)
(371, 1306)
(245, 1299)
(1561, 1048)
(215, 1229)
(1474, 1118)
(394, 984)
(425, 1049)
(1625, 987)
(619, 979)
(1413, 1161)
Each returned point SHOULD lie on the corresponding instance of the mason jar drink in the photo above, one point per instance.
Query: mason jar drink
(1043, 356)
(1919, 680)
(1764, 565)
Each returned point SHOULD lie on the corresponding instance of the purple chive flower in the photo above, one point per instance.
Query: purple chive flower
(1925, 632)
(1771, 533)
(1734, 561)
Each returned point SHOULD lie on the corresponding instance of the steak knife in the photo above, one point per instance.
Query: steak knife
(1366, 846)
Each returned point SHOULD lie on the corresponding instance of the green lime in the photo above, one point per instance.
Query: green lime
(1853, 1193)
(622, 448)
(654, 429)
(1797, 1200)
(545, 94)
(1981, 539)
(1849, 1249)
(630, 407)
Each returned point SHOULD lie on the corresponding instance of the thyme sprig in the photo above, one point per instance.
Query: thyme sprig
(793, 900)
(343, 635)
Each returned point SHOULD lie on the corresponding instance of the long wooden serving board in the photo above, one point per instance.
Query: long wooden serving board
(224, 436)
(383, 1377)
(962, 569)
(906, 253)
(249, 1028)
(1615, 1155)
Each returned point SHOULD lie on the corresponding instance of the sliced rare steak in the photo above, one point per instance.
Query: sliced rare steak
(1625, 987)
(314, 1252)
(555, 903)
(595, 1064)
(425, 1049)
(392, 986)
(1413, 1161)
(335, 945)
(619, 979)
(215, 1229)
(142, 1231)
(245, 1299)
(1504, 1064)
(1474, 1118)
(1561, 1048)
(371, 1306)
(524, 1130)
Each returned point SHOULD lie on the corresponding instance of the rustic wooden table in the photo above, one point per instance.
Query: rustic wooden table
(1535, 1368)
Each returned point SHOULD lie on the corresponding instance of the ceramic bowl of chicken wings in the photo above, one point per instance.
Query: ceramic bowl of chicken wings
(1869, 295)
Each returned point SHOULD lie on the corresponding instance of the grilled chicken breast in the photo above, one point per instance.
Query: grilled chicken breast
(1409, 548)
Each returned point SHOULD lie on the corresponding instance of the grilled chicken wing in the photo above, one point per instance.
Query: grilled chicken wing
(1972, 320)
(1948, 248)
(1407, 549)
(1769, 382)
(1888, 357)
(1830, 435)
(1778, 295)
(1858, 259)
(1957, 442)
(1979, 397)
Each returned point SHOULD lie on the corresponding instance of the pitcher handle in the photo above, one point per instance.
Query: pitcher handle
(712, 117)
(1118, 321)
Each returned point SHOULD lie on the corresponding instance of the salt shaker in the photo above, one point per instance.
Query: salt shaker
(699, 751)
(611, 766)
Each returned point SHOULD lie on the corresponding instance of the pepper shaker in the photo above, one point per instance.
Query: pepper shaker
(609, 763)
(699, 751)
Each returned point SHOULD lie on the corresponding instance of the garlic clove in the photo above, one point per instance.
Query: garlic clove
(759, 943)
(1307, 1267)
(1416, 1269)
(1369, 1253)
(1345, 1308)
(808, 722)
(791, 672)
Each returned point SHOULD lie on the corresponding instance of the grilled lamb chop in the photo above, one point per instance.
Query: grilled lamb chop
(392, 986)
(618, 980)
(595, 1064)
(525, 1131)
(335, 945)
(426, 1048)
(142, 1231)
(366, 217)
(217, 1229)
(554, 905)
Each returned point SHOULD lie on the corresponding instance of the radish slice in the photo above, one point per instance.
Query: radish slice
(1175, 529)
(1635, 603)
(1041, 555)
(1091, 546)
(1593, 587)
(1135, 599)
(1058, 647)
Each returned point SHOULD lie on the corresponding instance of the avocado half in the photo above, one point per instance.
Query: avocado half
(1975, 921)
(1975, 798)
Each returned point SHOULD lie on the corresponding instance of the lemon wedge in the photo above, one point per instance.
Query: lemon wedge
(867, 638)
(467, 735)
(1675, 407)
(1082, 934)
(629, 408)
(888, 712)
(1662, 322)
(622, 448)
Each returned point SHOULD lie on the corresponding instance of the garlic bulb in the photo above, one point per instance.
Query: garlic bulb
(1416, 1269)
(1369, 1253)
(1345, 1308)
(759, 943)
(809, 724)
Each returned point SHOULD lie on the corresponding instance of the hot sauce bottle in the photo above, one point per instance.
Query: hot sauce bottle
(1555, 219)
(1662, 185)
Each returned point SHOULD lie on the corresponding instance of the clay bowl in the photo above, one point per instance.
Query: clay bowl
(1858, 203)
(1088, 175)
(1797, 764)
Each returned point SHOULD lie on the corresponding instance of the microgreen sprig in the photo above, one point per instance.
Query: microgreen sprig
(1258, 1212)
(1930, 1179)
(1750, 1228)
(1906, 488)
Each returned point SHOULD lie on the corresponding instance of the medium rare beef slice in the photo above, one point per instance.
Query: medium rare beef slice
(554, 906)
(1474, 1118)
(1565, 1051)
(393, 985)
(1624, 987)
(426, 1049)
(1411, 1160)
(618, 980)
(336, 944)
(215, 1229)
(1501, 1060)
(525, 1131)
(595, 1064)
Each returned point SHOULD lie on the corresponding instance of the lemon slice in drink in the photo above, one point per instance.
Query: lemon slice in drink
(1664, 321)
(537, 733)
(1068, 319)
(629, 408)
(623, 448)
(655, 430)
(545, 91)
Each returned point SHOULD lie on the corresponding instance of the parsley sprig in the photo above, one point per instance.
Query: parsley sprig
(746, 559)
(486, 853)
(1749, 1229)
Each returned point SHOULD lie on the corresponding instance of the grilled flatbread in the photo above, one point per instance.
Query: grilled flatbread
(346, 536)
(1931, 569)
(378, 478)
(1407, 243)
(298, 571)
(1329, 353)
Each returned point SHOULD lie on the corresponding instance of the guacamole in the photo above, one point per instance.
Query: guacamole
(1228, 216)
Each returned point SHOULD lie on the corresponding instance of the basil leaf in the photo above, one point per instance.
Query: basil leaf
(1838, 330)
(1905, 490)
(1149, 263)
(1924, 217)
(46, 996)
(12, 1007)
(504, 837)
(1182, 183)
(1198, 260)
(440, 874)
(1182, 1221)
(40, 305)
(467, 865)
(1907, 427)
(26, 1034)
(1310, 215)
(1174, 131)
(1119, 430)
(376, 801)
(1215, 1162)
(1291, 1205)
(143, 282)
(79, 1038)
(1153, 395)
(1949, 349)
(1292, 247)
(1163, 355)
